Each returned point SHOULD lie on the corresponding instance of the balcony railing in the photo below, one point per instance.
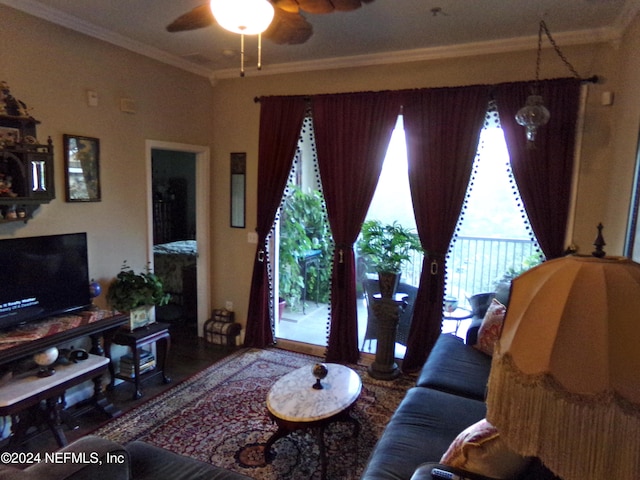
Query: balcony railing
(476, 264)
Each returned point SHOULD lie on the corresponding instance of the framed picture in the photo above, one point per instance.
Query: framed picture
(238, 185)
(82, 168)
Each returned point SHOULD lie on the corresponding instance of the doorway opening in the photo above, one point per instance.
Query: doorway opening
(178, 227)
(303, 251)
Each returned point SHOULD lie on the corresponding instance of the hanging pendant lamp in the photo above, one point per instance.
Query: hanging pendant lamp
(534, 114)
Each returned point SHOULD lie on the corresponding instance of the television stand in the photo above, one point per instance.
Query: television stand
(23, 342)
(25, 393)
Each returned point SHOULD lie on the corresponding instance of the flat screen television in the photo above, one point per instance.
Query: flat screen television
(42, 276)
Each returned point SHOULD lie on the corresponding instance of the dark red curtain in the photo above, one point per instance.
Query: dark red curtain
(544, 173)
(280, 122)
(352, 135)
(442, 128)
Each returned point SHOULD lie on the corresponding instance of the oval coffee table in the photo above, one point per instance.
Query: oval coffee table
(294, 404)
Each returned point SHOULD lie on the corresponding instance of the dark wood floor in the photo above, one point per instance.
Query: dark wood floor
(188, 355)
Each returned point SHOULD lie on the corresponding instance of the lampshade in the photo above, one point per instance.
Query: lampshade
(565, 378)
(248, 17)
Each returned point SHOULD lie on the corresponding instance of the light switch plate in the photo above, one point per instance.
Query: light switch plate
(92, 98)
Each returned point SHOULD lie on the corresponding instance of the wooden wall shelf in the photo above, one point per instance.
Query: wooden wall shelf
(26, 169)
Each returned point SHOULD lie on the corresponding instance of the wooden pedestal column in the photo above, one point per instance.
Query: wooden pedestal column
(387, 313)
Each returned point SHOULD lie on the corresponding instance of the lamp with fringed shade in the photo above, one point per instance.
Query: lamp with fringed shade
(565, 378)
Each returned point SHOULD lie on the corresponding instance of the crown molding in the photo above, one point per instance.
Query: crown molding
(74, 23)
(601, 35)
(629, 12)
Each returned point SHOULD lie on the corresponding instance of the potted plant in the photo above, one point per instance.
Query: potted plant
(138, 294)
(386, 248)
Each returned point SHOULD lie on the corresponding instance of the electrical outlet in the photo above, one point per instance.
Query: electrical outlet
(252, 237)
(228, 305)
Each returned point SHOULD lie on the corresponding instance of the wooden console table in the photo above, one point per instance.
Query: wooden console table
(27, 391)
(38, 336)
(135, 340)
(23, 342)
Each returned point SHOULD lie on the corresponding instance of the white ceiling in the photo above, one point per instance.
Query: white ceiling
(384, 31)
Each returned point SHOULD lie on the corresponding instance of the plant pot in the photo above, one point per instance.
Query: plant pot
(388, 282)
(142, 316)
(281, 306)
(450, 304)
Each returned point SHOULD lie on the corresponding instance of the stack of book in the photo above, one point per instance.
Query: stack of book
(147, 362)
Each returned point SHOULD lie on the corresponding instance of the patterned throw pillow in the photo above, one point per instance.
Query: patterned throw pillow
(479, 449)
(489, 331)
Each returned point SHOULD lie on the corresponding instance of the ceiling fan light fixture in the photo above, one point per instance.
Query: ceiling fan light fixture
(246, 17)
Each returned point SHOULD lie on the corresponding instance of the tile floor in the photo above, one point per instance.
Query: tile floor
(311, 327)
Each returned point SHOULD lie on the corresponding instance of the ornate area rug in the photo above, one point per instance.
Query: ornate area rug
(220, 416)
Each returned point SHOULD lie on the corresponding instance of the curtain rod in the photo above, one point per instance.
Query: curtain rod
(306, 98)
(592, 79)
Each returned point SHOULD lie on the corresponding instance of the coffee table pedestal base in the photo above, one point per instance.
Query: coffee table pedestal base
(285, 427)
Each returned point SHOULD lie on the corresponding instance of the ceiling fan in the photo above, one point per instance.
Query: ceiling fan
(288, 27)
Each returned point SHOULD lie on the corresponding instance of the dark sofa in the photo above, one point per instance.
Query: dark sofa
(448, 397)
(101, 459)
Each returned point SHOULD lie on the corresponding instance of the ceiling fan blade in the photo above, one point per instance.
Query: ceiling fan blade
(316, 6)
(348, 5)
(288, 28)
(290, 6)
(199, 17)
(320, 6)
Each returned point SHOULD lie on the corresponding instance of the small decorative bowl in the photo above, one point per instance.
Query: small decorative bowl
(450, 304)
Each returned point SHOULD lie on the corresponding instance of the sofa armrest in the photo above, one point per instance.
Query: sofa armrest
(89, 458)
(423, 472)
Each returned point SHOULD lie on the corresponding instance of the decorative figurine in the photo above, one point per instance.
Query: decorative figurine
(11, 213)
(45, 360)
(6, 182)
(320, 371)
(11, 105)
(94, 291)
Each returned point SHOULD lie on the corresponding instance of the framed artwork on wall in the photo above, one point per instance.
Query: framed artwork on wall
(238, 186)
(82, 168)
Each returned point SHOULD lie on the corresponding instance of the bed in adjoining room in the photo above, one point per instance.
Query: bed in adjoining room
(175, 263)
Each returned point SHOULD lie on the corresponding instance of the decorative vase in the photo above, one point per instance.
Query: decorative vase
(320, 371)
(388, 282)
(450, 304)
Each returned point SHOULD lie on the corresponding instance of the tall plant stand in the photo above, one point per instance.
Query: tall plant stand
(387, 312)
